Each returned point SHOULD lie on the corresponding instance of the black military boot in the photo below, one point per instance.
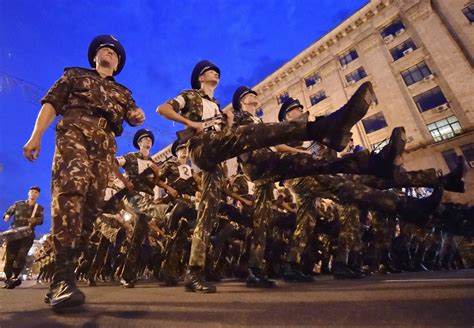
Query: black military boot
(420, 211)
(341, 271)
(255, 279)
(454, 181)
(291, 273)
(14, 282)
(63, 292)
(383, 164)
(334, 130)
(193, 282)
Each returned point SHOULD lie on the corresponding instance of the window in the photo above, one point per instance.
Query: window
(415, 73)
(374, 122)
(393, 29)
(312, 80)
(402, 49)
(317, 97)
(469, 12)
(468, 152)
(445, 128)
(356, 75)
(451, 158)
(347, 57)
(282, 97)
(430, 99)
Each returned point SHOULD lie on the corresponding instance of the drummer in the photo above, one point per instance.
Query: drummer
(27, 214)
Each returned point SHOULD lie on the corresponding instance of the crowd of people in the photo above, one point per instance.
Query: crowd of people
(303, 201)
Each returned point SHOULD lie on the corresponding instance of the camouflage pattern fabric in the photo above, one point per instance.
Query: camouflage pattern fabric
(81, 166)
(86, 90)
(179, 176)
(22, 211)
(261, 217)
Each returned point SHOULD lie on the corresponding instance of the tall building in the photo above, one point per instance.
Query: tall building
(419, 55)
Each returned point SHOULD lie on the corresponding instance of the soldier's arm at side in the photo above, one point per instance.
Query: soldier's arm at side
(45, 117)
(8, 213)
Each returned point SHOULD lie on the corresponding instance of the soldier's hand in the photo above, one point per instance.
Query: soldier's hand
(136, 116)
(156, 169)
(129, 185)
(198, 126)
(32, 148)
(172, 192)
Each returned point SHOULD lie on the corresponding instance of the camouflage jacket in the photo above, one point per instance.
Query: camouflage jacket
(189, 103)
(179, 176)
(243, 187)
(22, 212)
(134, 164)
(85, 89)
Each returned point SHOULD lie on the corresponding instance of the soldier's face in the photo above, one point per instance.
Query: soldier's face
(33, 194)
(210, 78)
(106, 57)
(145, 143)
(182, 153)
(249, 102)
(294, 113)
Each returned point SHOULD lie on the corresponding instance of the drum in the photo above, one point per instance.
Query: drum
(16, 233)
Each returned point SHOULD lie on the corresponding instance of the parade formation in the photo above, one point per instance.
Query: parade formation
(304, 200)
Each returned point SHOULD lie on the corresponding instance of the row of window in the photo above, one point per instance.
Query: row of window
(468, 11)
(401, 50)
(451, 157)
(440, 130)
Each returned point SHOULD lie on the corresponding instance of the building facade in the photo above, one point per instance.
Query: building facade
(419, 56)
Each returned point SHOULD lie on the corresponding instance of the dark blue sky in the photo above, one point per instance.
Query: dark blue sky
(248, 40)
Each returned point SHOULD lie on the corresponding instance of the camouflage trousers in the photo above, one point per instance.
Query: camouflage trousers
(112, 235)
(16, 252)
(349, 234)
(267, 166)
(140, 232)
(81, 166)
(212, 148)
(420, 178)
(145, 203)
(306, 215)
(261, 217)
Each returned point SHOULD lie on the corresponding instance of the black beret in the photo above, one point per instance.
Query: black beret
(200, 68)
(38, 189)
(108, 41)
(177, 144)
(143, 133)
(286, 106)
(239, 94)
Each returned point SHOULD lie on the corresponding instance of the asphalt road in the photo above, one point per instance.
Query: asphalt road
(431, 299)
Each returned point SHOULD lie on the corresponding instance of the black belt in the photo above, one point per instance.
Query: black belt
(98, 121)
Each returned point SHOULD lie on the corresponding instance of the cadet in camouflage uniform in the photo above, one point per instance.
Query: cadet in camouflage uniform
(209, 148)
(26, 213)
(93, 107)
(141, 198)
(266, 167)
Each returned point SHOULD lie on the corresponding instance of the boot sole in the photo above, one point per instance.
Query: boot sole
(192, 290)
(75, 300)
